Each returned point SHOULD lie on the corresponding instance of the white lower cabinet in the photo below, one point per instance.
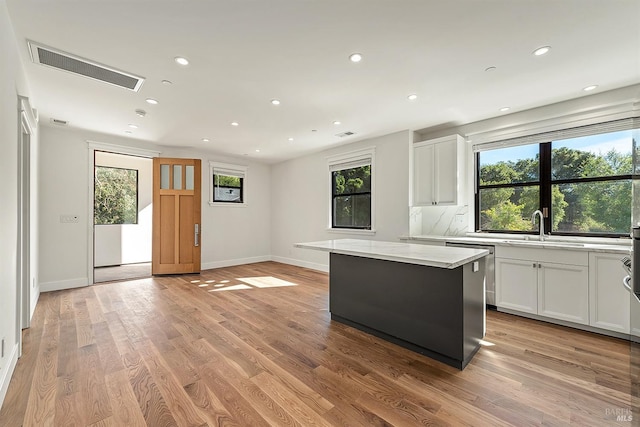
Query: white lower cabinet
(610, 301)
(528, 281)
(563, 292)
(517, 285)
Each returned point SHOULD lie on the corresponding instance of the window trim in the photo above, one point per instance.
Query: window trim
(545, 181)
(218, 168)
(349, 160)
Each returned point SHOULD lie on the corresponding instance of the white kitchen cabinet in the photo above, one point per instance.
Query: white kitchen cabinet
(438, 172)
(517, 285)
(610, 301)
(550, 283)
(563, 292)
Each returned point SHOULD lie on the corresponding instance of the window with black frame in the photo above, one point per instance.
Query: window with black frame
(351, 198)
(584, 184)
(227, 188)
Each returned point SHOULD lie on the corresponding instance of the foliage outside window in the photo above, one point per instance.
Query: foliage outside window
(586, 183)
(115, 196)
(351, 198)
(227, 189)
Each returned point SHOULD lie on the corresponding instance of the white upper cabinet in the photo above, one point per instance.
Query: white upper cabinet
(438, 172)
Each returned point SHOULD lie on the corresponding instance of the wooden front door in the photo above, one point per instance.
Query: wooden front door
(176, 216)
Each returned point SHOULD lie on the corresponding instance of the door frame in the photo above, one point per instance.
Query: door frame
(94, 146)
(27, 125)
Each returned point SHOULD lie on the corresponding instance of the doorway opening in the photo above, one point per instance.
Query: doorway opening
(122, 216)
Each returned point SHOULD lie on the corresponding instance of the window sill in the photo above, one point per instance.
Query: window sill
(228, 205)
(351, 231)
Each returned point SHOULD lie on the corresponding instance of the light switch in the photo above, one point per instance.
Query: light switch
(69, 219)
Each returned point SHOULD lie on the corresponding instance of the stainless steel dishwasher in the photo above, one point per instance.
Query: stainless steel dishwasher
(490, 270)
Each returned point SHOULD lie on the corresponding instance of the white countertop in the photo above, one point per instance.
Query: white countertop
(410, 253)
(620, 248)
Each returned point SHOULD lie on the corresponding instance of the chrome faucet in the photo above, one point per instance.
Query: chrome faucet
(533, 222)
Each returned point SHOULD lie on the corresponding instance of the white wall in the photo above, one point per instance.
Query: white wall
(230, 235)
(300, 207)
(233, 234)
(118, 244)
(12, 83)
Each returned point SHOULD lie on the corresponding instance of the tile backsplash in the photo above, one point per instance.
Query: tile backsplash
(439, 220)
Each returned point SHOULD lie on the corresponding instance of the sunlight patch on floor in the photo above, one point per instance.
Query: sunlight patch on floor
(266, 282)
(231, 288)
(248, 283)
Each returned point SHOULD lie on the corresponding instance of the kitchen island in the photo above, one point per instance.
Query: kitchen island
(429, 299)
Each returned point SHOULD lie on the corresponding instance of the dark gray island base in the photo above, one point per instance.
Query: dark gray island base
(438, 312)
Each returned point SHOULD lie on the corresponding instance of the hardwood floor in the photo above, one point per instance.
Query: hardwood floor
(254, 345)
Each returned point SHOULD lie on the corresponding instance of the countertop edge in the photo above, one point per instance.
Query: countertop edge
(397, 258)
(557, 245)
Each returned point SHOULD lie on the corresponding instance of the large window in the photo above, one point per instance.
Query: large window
(115, 196)
(352, 191)
(227, 184)
(582, 184)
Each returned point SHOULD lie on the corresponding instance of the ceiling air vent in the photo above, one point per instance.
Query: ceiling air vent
(343, 134)
(54, 58)
(59, 122)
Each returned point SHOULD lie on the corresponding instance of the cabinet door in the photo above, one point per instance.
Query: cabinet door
(563, 292)
(608, 300)
(517, 285)
(423, 157)
(446, 172)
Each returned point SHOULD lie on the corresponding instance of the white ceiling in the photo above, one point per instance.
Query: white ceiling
(244, 53)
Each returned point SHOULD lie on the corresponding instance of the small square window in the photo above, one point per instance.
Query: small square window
(227, 184)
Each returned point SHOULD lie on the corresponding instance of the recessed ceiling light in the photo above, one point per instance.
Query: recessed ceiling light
(412, 97)
(181, 61)
(127, 131)
(290, 139)
(355, 57)
(166, 82)
(492, 68)
(542, 50)
(275, 102)
(336, 122)
(590, 88)
(141, 113)
(205, 139)
(503, 109)
(234, 123)
(152, 101)
(132, 126)
(257, 151)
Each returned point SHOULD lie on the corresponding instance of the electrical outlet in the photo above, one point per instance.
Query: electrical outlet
(69, 219)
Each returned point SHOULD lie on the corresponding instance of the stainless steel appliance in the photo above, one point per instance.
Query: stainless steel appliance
(490, 270)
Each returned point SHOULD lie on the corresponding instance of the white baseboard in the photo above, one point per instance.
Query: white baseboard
(232, 262)
(64, 284)
(6, 374)
(305, 264)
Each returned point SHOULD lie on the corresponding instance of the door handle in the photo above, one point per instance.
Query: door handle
(196, 238)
